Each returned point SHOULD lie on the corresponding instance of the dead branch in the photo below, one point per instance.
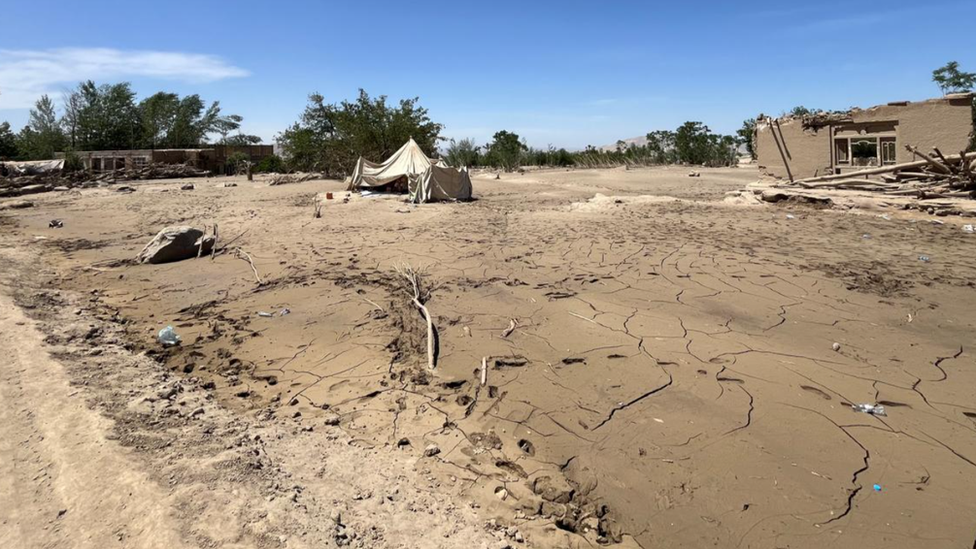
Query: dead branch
(418, 295)
(484, 371)
(939, 166)
(511, 328)
(247, 257)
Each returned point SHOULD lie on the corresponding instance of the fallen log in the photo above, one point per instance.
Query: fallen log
(939, 166)
(888, 169)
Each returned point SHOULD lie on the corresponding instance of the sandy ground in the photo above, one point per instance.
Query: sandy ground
(671, 381)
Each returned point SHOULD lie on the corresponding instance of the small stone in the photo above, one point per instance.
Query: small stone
(836, 346)
(431, 450)
(333, 420)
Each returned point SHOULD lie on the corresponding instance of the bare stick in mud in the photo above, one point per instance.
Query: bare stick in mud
(511, 328)
(247, 257)
(373, 303)
(484, 371)
(213, 249)
(202, 240)
(414, 279)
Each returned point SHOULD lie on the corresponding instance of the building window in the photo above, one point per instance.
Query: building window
(864, 151)
(842, 148)
(139, 161)
(889, 152)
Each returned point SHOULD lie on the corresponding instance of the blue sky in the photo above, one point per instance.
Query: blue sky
(565, 73)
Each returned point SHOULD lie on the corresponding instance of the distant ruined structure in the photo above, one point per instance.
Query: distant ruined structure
(797, 147)
(213, 159)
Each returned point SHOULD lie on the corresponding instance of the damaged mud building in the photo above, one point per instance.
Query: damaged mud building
(213, 159)
(796, 147)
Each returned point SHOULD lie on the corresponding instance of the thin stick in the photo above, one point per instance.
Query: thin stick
(233, 240)
(484, 371)
(202, 240)
(372, 303)
(247, 257)
(584, 318)
(511, 328)
(213, 250)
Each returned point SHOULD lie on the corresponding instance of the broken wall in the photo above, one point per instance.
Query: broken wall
(802, 146)
(946, 123)
(784, 146)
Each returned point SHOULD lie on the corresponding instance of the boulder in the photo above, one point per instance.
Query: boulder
(175, 244)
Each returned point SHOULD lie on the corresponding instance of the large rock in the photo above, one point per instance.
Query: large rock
(175, 244)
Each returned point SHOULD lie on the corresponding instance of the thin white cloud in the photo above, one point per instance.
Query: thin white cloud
(27, 74)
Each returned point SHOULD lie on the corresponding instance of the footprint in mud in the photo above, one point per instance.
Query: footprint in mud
(527, 447)
(815, 391)
(511, 468)
(893, 404)
(731, 379)
(721, 360)
(511, 362)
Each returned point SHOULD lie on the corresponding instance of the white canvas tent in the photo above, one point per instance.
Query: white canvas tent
(426, 179)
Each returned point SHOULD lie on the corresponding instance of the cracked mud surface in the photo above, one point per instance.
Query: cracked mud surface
(672, 358)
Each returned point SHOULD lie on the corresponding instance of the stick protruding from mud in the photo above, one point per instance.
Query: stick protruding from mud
(419, 295)
(241, 254)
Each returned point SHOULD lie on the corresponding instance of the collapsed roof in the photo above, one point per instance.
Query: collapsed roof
(427, 179)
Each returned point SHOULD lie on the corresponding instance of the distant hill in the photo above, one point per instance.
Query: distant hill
(638, 141)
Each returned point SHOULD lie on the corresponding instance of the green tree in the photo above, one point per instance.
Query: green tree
(505, 150)
(104, 117)
(43, 136)
(951, 80)
(661, 146)
(8, 142)
(157, 114)
(463, 153)
(747, 134)
(331, 137)
(692, 143)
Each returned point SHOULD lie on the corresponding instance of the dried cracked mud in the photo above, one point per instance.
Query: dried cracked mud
(671, 379)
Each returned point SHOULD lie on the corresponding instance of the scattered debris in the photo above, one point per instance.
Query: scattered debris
(187, 187)
(431, 450)
(877, 487)
(694, 174)
(16, 205)
(873, 409)
(934, 176)
(968, 229)
(55, 224)
(264, 314)
(168, 337)
(924, 258)
(285, 179)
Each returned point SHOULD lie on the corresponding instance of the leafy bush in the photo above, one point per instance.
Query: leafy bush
(271, 164)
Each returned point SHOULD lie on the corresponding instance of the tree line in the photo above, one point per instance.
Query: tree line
(109, 117)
